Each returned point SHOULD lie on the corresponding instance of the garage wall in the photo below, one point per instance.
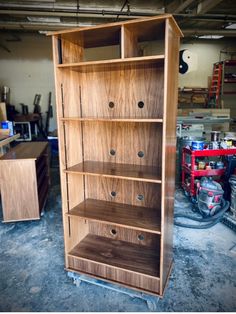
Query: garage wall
(28, 70)
(208, 52)
(205, 53)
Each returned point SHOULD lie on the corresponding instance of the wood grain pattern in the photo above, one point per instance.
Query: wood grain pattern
(104, 36)
(24, 181)
(127, 140)
(31, 150)
(98, 65)
(122, 171)
(113, 119)
(19, 190)
(72, 50)
(122, 85)
(147, 30)
(120, 254)
(59, 77)
(137, 193)
(113, 274)
(68, 103)
(108, 25)
(169, 150)
(134, 217)
(129, 44)
(141, 238)
(68, 89)
(98, 113)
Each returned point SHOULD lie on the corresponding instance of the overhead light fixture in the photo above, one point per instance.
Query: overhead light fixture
(210, 37)
(44, 19)
(231, 26)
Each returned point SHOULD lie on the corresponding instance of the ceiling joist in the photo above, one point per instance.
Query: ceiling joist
(183, 6)
(194, 16)
(207, 5)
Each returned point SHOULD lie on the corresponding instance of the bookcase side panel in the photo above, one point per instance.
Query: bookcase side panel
(70, 145)
(169, 149)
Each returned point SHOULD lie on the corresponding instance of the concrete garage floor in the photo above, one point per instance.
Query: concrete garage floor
(32, 276)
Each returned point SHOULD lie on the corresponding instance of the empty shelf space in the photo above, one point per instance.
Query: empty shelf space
(140, 218)
(113, 119)
(80, 66)
(120, 254)
(122, 171)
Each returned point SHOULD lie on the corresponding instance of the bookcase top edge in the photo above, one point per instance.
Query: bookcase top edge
(107, 25)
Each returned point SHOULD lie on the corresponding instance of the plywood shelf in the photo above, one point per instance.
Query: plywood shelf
(113, 119)
(95, 65)
(122, 171)
(120, 254)
(133, 217)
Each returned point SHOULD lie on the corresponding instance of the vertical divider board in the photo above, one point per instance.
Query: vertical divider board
(114, 97)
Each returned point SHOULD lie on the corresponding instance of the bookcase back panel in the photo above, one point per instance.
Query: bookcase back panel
(78, 46)
(136, 37)
(123, 91)
(123, 234)
(100, 37)
(123, 191)
(131, 143)
(102, 53)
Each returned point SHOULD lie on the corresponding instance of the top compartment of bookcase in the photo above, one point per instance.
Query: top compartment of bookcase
(117, 42)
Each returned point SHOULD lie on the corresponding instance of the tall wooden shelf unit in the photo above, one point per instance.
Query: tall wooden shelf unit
(116, 119)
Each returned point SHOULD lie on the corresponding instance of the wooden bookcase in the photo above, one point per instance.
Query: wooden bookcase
(116, 107)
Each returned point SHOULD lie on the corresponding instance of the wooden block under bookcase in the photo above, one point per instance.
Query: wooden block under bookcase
(116, 116)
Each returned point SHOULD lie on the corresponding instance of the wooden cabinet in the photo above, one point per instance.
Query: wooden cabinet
(116, 107)
(25, 181)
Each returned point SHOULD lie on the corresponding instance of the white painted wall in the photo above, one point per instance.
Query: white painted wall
(28, 70)
(207, 53)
